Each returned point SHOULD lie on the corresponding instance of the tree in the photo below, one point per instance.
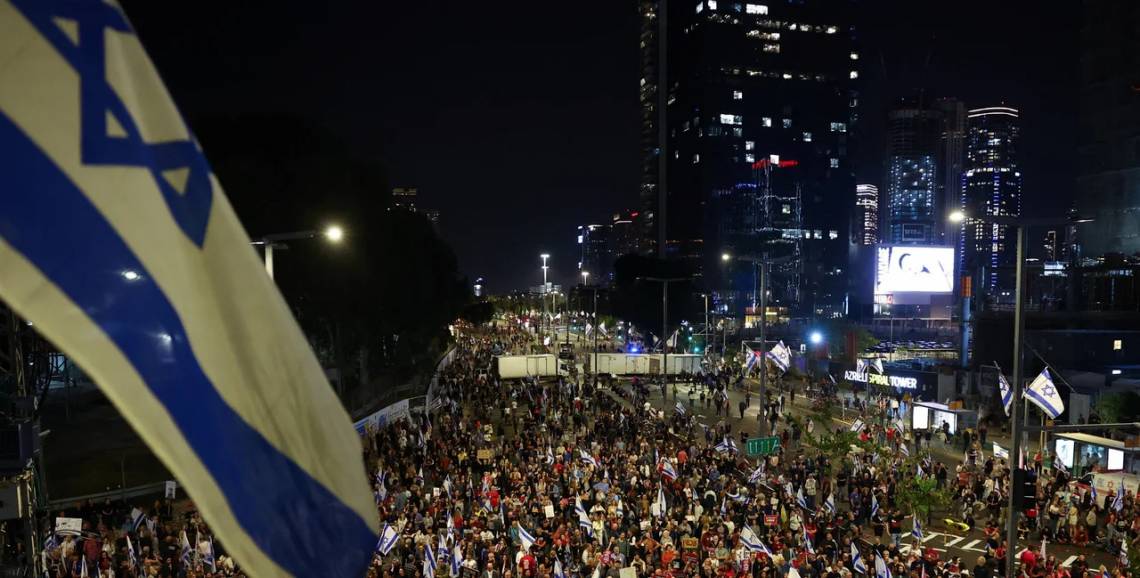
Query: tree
(920, 496)
(835, 445)
(1119, 407)
(380, 301)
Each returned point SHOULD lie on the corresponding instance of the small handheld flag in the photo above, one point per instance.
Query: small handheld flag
(1006, 392)
(526, 538)
(881, 569)
(388, 539)
(587, 458)
(667, 470)
(917, 530)
(857, 560)
(829, 504)
(752, 542)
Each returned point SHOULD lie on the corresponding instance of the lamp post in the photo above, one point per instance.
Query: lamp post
(542, 293)
(665, 281)
(334, 234)
(1020, 225)
(763, 263)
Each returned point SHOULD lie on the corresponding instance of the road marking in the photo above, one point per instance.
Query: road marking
(1068, 561)
(971, 545)
(930, 536)
(955, 540)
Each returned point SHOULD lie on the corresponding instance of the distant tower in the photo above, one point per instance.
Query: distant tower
(991, 186)
(867, 213)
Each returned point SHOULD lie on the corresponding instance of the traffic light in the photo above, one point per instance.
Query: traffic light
(1024, 489)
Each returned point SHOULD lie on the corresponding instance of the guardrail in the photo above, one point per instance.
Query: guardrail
(121, 494)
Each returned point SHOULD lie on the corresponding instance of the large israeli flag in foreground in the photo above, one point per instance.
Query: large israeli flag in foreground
(117, 242)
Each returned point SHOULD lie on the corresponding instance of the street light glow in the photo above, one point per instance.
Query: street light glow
(334, 233)
(815, 337)
(725, 257)
(957, 217)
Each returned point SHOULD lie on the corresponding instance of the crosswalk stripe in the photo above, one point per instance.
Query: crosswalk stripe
(930, 536)
(971, 545)
(955, 540)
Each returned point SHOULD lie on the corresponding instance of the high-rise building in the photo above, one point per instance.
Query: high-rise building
(626, 233)
(594, 252)
(1108, 182)
(867, 214)
(991, 185)
(750, 82)
(913, 133)
(1050, 245)
(924, 168)
(652, 104)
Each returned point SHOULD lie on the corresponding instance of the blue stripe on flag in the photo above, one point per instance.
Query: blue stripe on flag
(289, 515)
(1045, 404)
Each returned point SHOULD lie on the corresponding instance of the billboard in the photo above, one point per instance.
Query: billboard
(908, 269)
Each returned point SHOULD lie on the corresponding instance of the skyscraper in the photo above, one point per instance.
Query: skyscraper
(913, 133)
(595, 252)
(750, 82)
(867, 214)
(1108, 182)
(991, 185)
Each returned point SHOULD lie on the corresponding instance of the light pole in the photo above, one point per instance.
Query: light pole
(1019, 225)
(333, 234)
(544, 323)
(665, 281)
(762, 263)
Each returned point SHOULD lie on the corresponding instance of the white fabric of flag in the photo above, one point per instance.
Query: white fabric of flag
(829, 504)
(752, 542)
(881, 569)
(1006, 392)
(874, 505)
(119, 244)
(1042, 393)
(558, 571)
(429, 561)
(588, 458)
(860, 366)
(801, 501)
(679, 408)
(388, 539)
(583, 518)
(456, 560)
(878, 365)
(857, 425)
(781, 356)
(857, 560)
(1118, 501)
(758, 473)
(526, 538)
(667, 470)
(662, 507)
(916, 531)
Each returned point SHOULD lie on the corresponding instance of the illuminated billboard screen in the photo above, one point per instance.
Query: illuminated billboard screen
(906, 269)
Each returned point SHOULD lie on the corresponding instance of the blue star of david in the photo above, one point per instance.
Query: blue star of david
(1048, 390)
(190, 206)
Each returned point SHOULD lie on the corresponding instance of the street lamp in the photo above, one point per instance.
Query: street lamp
(585, 276)
(334, 234)
(1020, 225)
(763, 263)
(544, 257)
(815, 337)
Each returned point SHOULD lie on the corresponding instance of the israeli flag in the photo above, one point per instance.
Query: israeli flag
(751, 362)
(456, 560)
(558, 571)
(752, 542)
(583, 518)
(588, 458)
(83, 567)
(917, 530)
(857, 560)
(662, 507)
(132, 558)
(388, 539)
(860, 366)
(667, 470)
(208, 558)
(680, 409)
(781, 356)
(807, 542)
(187, 551)
(1006, 392)
(905, 451)
(549, 456)
(878, 364)
(758, 473)
(526, 538)
(874, 505)
(137, 519)
(429, 561)
(1044, 395)
(1092, 490)
(801, 501)
(51, 543)
(1118, 501)
(726, 445)
(119, 244)
(857, 425)
(881, 569)
(829, 504)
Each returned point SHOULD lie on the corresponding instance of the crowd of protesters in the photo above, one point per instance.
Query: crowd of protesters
(568, 479)
(565, 479)
(117, 540)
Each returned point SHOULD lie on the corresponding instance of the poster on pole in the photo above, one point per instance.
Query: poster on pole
(171, 489)
(68, 526)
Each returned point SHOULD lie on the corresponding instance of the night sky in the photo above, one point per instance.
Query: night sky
(519, 121)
